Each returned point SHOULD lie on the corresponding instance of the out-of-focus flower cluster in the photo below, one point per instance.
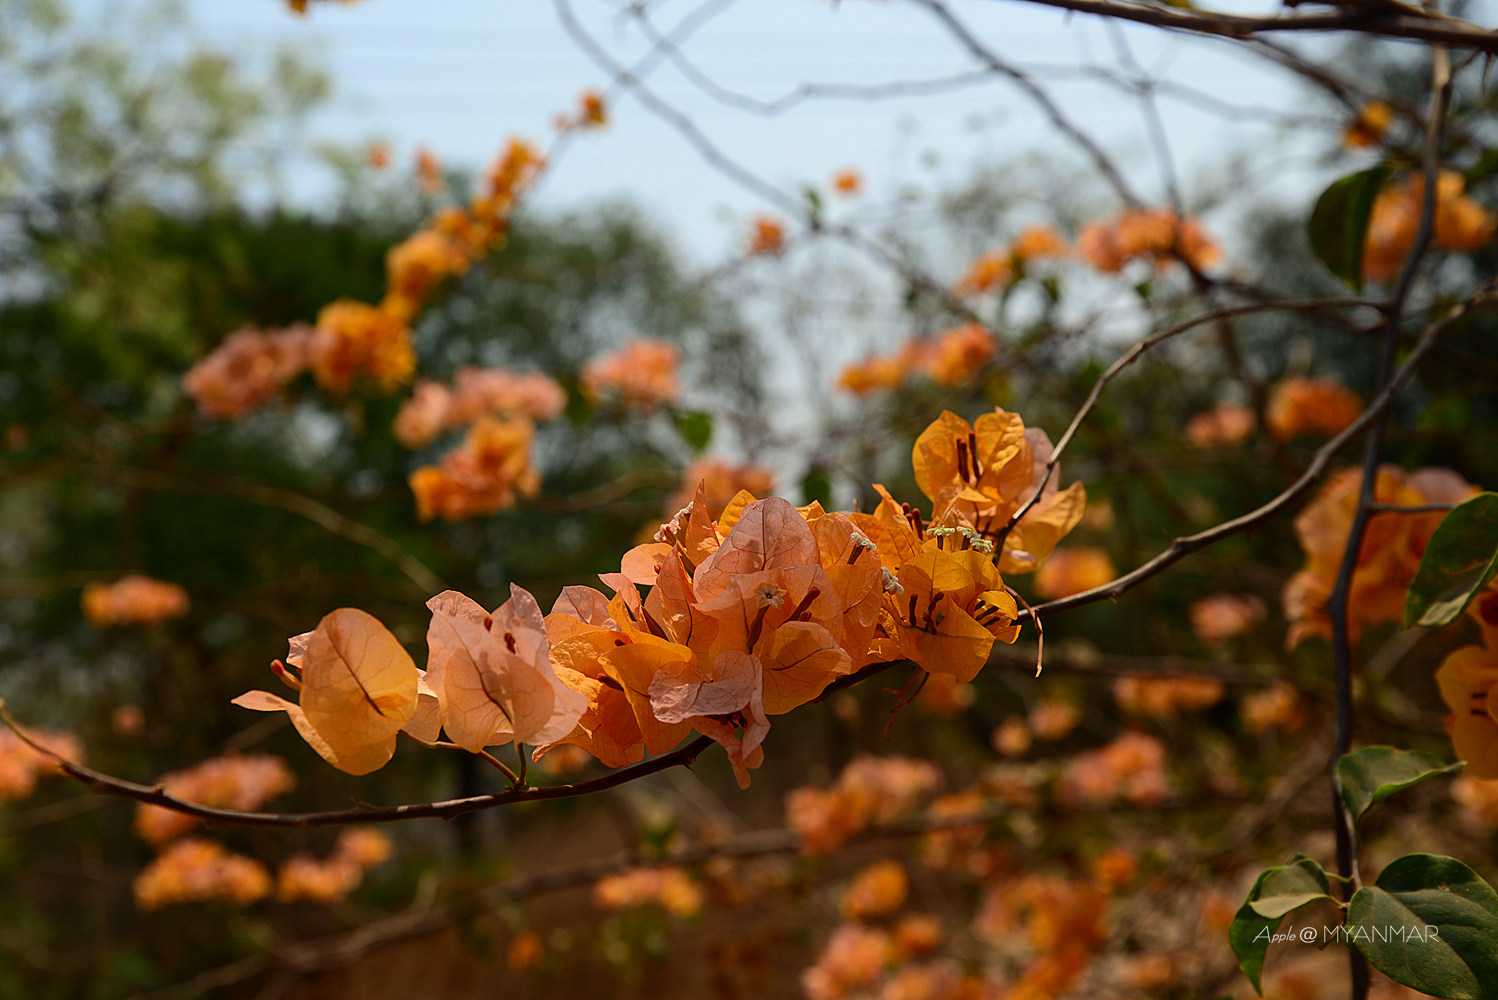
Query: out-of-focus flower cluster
(592, 112)
(195, 870)
(233, 781)
(641, 374)
(1373, 120)
(1224, 426)
(668, 887)
(766, 236)
(1166, 697)
(869, 790)
(1278, 706)
(1222, 616)
(331, 879)
(950, 358)
(1132, 768)
(998, 269)
(20, 766)
(1300, 406)
(133, 600)
(1461, 224)
(489, 471)
(1073, 570)
(1390, 554)
(435, 409)
(721, 482)
(1158, 235)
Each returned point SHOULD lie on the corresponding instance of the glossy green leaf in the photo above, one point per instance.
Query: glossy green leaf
(1339, 223)
(1277, 892)
(695, 428)
(1430, 923)
(1459, 561)
(1372, 774)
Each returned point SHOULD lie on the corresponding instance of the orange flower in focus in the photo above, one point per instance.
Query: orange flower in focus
(1223, 426)
(196, 870)
(847, 182)
(20, 765)
(669, 888)
(1157, 234)
(767, 237)
(483, 475)
(1275, 707)
(721, 483)
(877, 891)
(1223, 616)
(1073, 570)
(228, 782)
(355, 338)
(249, 367)
(1374, 119)
(642, 373)
(1461, 223)
(1390, 554)
(1300, 406)
(959, 354)
(1165, 697)
(133, 600)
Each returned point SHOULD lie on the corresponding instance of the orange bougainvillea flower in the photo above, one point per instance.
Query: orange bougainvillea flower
(877, 891)
(997, 269)
(1469, 684)
(20, 765)
(959, 354)
(642, 374)
(982, 473)
(478, 392)
(133, 600)
(1165, 697)
(1155, 234)
(721, 481)
(1390, 554)
(1276, 707)
(951, 608)
(354, 339)
(1074, 570)
(854, 958)
(488, 472)
(767, 237)
(358, 689)
(1373, 120)
(670, 888)
(249, 367)
(1461, 223)
(228, 782)
(1224, 426)
(848, 182)
(874, 375)
(1300, 406)
(493, 675)
(196, 870)
(417, 265)
(989, 272)
(1222, 616)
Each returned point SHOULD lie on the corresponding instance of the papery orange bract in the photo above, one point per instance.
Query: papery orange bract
(1468, 679)
(355, 338)
(1156, 234)
(358, 689)
(493, 673)
(641, 374)
(133, 600)
(229, 782)
(1461, 223)
(196, 870)
(716, 703)
(249, 367)
(1224, 426)
(1165, 697)
(1074, 570)
(1388, 558)
(1300, 406)
(20, 765)
(951, 611)
(670, 888)
(1222, 616)
(876, 891)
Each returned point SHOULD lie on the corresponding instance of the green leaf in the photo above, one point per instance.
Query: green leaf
(695, 428)
(1339, 223)
(1459, 561)
(817, 486)
(1372, 774)
(1430, 923)
(1276, 893)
